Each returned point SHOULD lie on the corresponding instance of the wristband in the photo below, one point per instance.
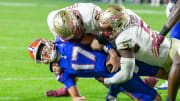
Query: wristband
(107, 47)
(164, 31)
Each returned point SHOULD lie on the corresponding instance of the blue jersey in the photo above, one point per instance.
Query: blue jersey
(175, 31)
(79, 60)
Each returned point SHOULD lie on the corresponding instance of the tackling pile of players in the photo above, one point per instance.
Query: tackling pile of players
(116, 32)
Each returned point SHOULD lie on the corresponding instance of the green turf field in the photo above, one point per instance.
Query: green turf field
(23, 21)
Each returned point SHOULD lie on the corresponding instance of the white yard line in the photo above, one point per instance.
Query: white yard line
(12, 47)
(149, 12)
(25, 79)
(22, 79)
(9, 98)
(18, 4)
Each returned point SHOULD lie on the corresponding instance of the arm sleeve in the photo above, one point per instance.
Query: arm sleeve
(125, 74)
(67, 79)
(69, 83)
(107, 47)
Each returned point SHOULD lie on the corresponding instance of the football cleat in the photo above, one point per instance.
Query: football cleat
(57, 93)
(163, 86)
(50, 93)
(151, 81)
(110, 98)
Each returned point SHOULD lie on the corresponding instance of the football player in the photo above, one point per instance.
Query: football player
(173, 13)
(134, 39)
(75, 60)
(175, 33)
(173, 18)
(74, 22)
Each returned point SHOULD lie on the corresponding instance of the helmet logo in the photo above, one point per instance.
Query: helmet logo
(113, 18)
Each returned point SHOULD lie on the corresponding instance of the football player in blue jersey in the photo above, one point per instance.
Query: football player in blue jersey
(77, 60)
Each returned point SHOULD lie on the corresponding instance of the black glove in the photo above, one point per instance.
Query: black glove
(101, 39)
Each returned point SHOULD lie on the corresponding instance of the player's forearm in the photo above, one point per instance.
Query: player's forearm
(112, 52)
(174, 17)
(126, 72)
(172, 20)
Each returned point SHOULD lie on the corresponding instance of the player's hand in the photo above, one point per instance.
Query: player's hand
(157, 40)
(169, 8)
(114, 60)
(83, 98)
(100, 79)
(95, 45)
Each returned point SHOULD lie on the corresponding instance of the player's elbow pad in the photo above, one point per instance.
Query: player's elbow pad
(125, 74)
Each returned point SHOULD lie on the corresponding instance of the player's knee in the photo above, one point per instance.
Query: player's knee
(176, 61)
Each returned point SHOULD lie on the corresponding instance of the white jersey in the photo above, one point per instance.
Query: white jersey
(89, 12)
(136, 32)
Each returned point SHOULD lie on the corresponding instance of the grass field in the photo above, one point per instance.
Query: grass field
(23, 21)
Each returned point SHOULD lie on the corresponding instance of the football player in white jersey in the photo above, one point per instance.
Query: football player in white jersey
(133, 39)
(74, 23)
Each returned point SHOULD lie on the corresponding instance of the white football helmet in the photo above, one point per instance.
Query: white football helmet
(43, 51)
(68, 24)
(112, 20)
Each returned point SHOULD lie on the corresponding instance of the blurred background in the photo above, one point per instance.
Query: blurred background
(150, 2)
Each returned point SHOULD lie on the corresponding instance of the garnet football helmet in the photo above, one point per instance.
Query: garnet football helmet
(43, 51)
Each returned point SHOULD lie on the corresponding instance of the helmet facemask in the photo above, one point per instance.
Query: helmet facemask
(68, 24)
(47, 53)
(43, 51)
